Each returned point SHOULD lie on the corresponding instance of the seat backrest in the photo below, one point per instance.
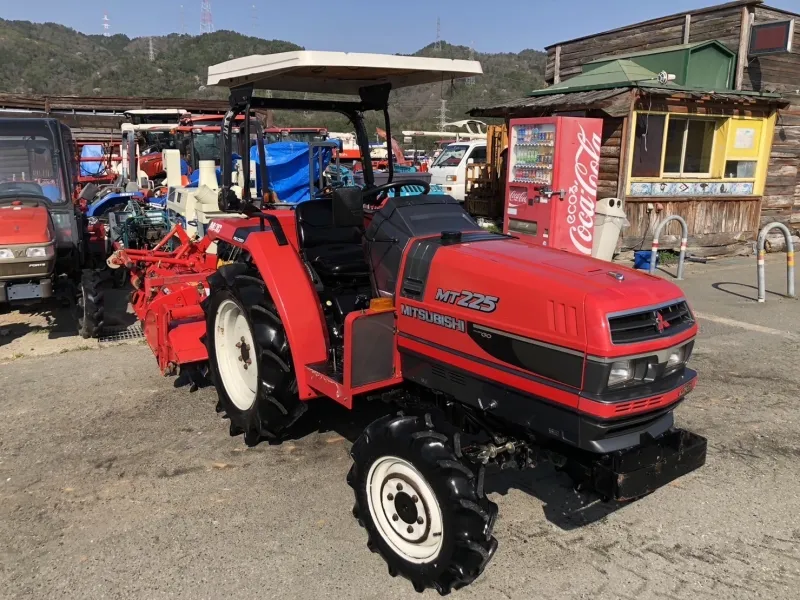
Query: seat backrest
(315, 225)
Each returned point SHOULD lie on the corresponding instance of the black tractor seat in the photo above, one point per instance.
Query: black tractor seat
(334, 250)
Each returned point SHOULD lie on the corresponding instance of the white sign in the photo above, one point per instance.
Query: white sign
(745, 138)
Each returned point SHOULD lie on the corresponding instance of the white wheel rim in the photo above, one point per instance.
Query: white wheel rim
(405, 509)
(233, 345)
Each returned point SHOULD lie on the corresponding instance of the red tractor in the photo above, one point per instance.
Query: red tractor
(497, 352)
(44, 248)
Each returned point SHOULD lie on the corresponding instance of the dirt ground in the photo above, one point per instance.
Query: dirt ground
(115, 484)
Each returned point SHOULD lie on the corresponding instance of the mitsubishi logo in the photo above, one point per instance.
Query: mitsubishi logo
(19, 253)
(661, 322)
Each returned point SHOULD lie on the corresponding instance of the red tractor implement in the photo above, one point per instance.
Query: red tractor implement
(498, 352)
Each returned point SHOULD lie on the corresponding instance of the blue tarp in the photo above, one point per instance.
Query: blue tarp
(287, 169)
(91, 168)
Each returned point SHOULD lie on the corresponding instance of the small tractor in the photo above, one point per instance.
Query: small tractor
(498, 352)
(43, 234)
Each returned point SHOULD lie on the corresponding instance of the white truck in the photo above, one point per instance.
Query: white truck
(449, 170)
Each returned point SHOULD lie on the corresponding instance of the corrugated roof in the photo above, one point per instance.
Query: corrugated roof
(614, 102)
(563, 102)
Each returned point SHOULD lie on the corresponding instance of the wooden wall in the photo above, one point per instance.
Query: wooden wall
(780, 73)
(575, 54)
(608, 179)
(711, 222)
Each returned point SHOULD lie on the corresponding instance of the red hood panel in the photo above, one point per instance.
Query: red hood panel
(545, 294)
(25, 225)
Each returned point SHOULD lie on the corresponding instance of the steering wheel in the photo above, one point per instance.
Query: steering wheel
(395, 185)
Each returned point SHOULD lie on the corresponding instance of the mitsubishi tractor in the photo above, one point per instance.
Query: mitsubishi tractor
(43, 236)
(497, 353)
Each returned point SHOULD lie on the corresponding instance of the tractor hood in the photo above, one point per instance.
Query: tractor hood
(540, 293)
(25, 225)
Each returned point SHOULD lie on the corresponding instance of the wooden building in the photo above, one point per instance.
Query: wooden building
(697, 122)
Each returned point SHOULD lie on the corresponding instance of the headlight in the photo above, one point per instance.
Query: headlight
(621, 371)
(6, 254)
(451, 178)
(40, 252)
(676, 358)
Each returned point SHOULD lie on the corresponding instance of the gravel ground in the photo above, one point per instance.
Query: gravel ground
(114, 484)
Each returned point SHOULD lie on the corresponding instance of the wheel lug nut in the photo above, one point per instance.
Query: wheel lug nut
(399, 487)
(390, 497)
(410, 529)
(420, 521)
(238, 344)
(240, 359)
(395, 517)
(249, 362)
(242, 338)
(415, 499)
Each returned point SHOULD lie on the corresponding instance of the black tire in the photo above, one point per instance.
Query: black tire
(90, 304)
(467, 515)
(277, 404)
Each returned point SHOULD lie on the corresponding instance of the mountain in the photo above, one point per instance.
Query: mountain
(53, 59)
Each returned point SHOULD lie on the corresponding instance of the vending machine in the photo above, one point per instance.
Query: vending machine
(551, 189)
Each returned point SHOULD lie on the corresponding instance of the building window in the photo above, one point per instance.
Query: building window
(648, 145)
(690, 143)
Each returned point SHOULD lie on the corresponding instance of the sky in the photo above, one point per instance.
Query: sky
(385, 26)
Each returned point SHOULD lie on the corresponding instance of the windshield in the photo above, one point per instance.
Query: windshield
(30, 165)
(206, 146)
(451, 156)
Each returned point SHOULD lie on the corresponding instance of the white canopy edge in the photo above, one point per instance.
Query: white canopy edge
(318, 72)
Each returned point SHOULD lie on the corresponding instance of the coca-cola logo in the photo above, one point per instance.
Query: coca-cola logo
(582, 196)
(518, 196)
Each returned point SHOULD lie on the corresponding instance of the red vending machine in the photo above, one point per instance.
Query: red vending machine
(551, 191)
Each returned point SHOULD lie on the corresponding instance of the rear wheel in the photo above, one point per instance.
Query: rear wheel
(249, 357)
(89, 304)
(421, 504)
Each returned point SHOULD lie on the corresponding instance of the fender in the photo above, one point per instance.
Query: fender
(106, 203)
(294, 295)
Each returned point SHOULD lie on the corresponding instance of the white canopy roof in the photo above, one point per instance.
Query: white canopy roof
(336, 72)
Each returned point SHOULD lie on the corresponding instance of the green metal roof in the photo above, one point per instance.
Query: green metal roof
(617, 73)
(677, 48)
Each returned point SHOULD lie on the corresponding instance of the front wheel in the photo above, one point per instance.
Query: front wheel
(421, 504)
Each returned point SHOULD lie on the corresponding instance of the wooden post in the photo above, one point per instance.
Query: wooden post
(557, 66)
(687, 27)
(624, 151)
(744, 44)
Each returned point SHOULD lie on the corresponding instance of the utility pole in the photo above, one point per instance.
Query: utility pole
(152, 55)
(183, 21)
(254, 21)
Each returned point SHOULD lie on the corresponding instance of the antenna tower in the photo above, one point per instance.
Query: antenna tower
(443, 115)
(206, 20)
(471, 80)
(183, 21)
(254, 21)
(106, 25)
(438, 45)
(152, 54)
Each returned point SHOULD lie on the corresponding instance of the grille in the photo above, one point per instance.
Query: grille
(651, 324)
(639, 405)
(122, 334)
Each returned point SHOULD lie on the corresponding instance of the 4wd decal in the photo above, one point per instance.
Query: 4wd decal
(434, 318)
(468, 299)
